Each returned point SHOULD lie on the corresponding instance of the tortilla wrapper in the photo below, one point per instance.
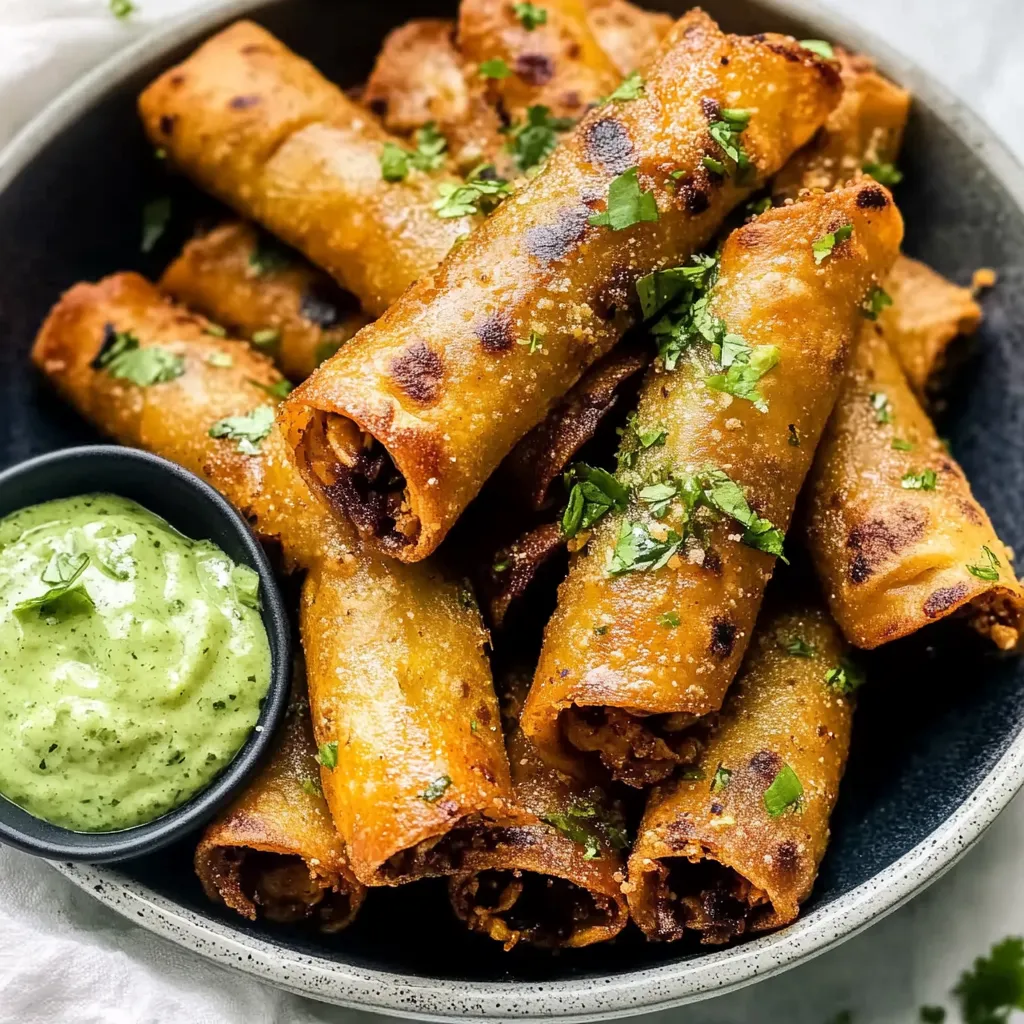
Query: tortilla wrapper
(174, 419)
(275, 851)
(893, 554)
(928, 312)
(401, 428)
(613, 679)
(555, 887)
(414, 785)
(710, 856)
(303, 312)
(558, 64)
(628, 34)
(421, 77)
(261, 129)
(865, 128)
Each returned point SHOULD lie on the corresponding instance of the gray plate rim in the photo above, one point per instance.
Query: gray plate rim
(589, 998)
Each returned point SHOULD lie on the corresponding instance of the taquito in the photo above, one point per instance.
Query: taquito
(275, 851)
(147, 373)
(556, 882)
(258, 290)
(628, 34)
(261, 129)
(657, 610)
(734, 846)
(535, 54)
(400, 429)
(896, 536)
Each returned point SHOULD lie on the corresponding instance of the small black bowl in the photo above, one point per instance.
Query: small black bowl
(198, 511)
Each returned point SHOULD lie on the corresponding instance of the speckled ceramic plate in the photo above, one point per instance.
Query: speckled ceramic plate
(937, 751)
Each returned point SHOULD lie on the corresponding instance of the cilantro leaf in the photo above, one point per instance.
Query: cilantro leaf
(876, 300)
(927, 480)
(61, 574)
(822, 247)
(636, 438)
(436, 789)
(585, 822)
(727, 132)
(156, 215)
(884, 173)
(266, 337)
(721, 779)
(637, 551)
(533, 343)
(529, 15)
(899, 445)
(795, 645)
(746, 369)
(659, 495)
(279, 389)
(727, 496)
(594, 492)
(819, 46)
(533, 141)
(658, 289)
(328, 755)
(312, 787)
(495, 68)
(628, 204)
(123, 358)
(669, 620)
(989, 571)
(248, 430)
(428, 155)
(880, 403)
(481, 193)
(784, 792)
(394, 162)
(122, 9)
(630, 88)
(995, 985)
(845, 677)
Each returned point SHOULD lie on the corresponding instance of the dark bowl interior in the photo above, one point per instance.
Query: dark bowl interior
(941, 710)
(195, 509)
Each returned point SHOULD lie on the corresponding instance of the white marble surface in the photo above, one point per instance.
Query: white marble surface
(63, 958)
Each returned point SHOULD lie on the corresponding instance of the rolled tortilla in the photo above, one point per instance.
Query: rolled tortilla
(642, 644)
(266, 294)
(373, 629)
(628, 34)
(555, 882)
(275, 851)
(896, 536)
(733, 848)
(556, 63)
(401, 428)
(261, 129)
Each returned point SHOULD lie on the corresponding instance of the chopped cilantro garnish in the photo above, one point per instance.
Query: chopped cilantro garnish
(533, 141)
(61, 574)
(668, 619)
(266, 337)
(123, 358)
(312, 787)
(279, 389)
(156, 215)
(927, 480)
(758, 206)
(819, 46)
(721, 779)
(875, 301)
(726, 132)
(529, 15)
(495, 68)
(248, 430)
(269, 256)
(899, 445)
(628, 204)
(657, 290)
(795, 645)
(989, 570)
(502, 564)
(436, 789)
(600, 630)
(329, 754)
(880, 403)
(845, 677)
(631, 88)
(636, 438)
(122, 8)
(689, 317)
(593, 493)
(394, 162)
(221, 360)
(748, 366)
(727, 496)
(659, 495)
(822, 247)
(533, 343)
(784, 792)
(884, 173)
(215, 330)
(994, 987)
(584, 822)
(428, 155)
(637, 551)
(481, 193)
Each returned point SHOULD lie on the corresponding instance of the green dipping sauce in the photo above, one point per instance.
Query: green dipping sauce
(133, 662)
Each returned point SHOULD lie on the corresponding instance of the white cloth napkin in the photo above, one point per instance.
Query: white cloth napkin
(64, 959)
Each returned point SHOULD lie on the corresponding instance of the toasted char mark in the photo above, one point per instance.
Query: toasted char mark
(608, 145)
(551, 242)
(766, 764)
(872, 197)
(786, 857)
(943, 599)
(177, 80)
(677, 834)
(255, 48)
(723, 636)
(495, 333)
(167, 122)
(970, 511)
(535, 68)
(796, 54)
(695, 198)
(418, 372)
(711, 108)
(874, 540)
(617, 292)
(243, 102)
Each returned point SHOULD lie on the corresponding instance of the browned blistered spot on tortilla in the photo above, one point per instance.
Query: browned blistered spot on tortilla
(418, 372)
(617, 292)
(483, 714)
(676, 834)
(796, 54)
(255, 48)
(712, 562)
(244, 102)
(970, 511)
(495, 333)
(786, 858)
(723, 636)
(550, 242)
(695, 198)
(608, 145)
(167, 122)
(711, 108)
(465, 689)
(535, 68)
(943, 599)
(872, 197)
(766, 764)
(874, 540)
(177, 80)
